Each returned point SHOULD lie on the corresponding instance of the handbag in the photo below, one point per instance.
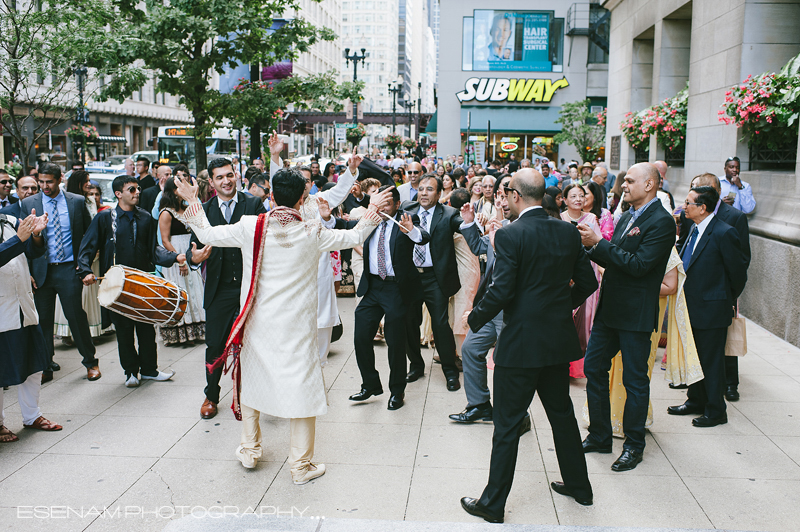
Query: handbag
(337, 331)
(736, 344)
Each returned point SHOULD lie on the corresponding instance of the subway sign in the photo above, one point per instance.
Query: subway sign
(510, 90)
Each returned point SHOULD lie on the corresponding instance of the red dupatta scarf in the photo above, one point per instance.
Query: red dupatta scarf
(230, 359)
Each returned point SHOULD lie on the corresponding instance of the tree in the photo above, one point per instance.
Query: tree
(580, 130)
(262, 103)
(185, 41)
(40, 43)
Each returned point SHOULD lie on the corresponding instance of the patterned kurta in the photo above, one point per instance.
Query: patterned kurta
(281, 373)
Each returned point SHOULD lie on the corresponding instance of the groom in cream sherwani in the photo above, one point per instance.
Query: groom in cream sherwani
(277, 370)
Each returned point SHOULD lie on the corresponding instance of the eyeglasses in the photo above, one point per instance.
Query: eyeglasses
(510, 189)
(730, 159)
(133, 190)
(687, 203)
(262, 188)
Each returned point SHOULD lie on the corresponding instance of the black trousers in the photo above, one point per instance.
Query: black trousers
(732, 371)
(63, 282)
(709, 393)
(145, 361)
(383, 298)
(437, 304)
(514, 389)
(220, 315)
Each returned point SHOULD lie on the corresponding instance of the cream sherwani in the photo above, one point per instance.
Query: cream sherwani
(280, 367)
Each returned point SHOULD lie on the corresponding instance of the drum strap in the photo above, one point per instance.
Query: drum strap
(114, 233)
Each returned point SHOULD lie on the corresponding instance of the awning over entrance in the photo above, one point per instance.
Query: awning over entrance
(432, 124)
(518, 119)
(111, 138)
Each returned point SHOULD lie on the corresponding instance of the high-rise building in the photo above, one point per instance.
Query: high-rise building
(372, 25)
(325, 55)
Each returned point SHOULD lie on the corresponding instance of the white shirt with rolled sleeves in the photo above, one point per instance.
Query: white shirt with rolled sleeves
(744, 200)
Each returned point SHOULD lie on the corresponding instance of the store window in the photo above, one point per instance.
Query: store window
(498, 40)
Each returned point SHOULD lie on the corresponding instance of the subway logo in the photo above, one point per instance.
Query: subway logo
(511, 90)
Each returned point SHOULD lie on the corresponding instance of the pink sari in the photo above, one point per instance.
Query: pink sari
(583, 316)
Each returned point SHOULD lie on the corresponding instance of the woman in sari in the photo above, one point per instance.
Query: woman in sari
(683, 365)
(574, 197)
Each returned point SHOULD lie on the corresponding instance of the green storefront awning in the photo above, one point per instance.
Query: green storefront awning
(431, 127)
(508, 119)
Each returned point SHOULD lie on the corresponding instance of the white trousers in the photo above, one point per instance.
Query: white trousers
(301, 439)
(324, 341)
(28, 393)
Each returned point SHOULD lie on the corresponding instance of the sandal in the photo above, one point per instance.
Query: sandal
(6, 436)
(42, 424)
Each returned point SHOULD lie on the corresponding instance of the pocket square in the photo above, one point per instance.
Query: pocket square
(633, 232)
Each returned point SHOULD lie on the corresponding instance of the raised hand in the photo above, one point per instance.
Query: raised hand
(275, 145)
(200, 255)
(324, 209)
(406, 223)
(588, 237)
(380, 200)
(355, 161)
(468, 213)
(186, 189)
(41, 222)
(26, 227)
(482, 219)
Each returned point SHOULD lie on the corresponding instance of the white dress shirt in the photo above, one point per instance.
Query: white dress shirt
(428, 262)
(234, 202)
(415, 235)
(701, 228)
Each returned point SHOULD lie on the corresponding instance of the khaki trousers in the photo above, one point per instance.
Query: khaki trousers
(301, 442)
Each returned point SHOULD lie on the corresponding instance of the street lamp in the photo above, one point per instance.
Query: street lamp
(410, 106)
(82, 114)
(394, 91)
(355, 58)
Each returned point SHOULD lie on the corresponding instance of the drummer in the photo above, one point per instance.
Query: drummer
(136, 235)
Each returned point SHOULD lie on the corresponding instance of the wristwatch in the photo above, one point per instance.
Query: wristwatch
(37, 235)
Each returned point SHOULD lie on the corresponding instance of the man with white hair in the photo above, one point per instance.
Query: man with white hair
(611, 177)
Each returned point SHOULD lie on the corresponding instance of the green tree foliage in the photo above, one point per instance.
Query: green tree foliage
(580, 130)
(40, 44)
(184, 42)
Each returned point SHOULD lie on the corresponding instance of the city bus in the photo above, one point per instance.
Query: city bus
(176, 145)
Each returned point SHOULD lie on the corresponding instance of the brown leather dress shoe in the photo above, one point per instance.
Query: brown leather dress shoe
(93, 373)
(208, 410)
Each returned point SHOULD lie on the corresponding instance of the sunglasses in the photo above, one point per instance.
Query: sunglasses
(133, 190)
(6, 182)
(413, 172)
(508, 190)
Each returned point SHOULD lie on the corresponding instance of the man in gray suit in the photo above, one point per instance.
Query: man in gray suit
(55, 273)
(477, 344)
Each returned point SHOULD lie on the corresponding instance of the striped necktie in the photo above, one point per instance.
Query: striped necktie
(58, 239)
(419, 251)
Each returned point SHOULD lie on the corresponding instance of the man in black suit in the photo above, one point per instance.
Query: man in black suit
(716, 272)
(223, 271)
(738, 220)
(536, 258)
(126, 235)
(356, 198)
(143, 173)
(26, 186)
(436, 263)
(149, 196)
(627, 313)
(390, 283)
(54, 273)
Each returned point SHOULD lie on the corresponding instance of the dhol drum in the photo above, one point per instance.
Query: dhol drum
(142, 296)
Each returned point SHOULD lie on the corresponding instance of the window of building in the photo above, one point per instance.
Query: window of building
(599, 34)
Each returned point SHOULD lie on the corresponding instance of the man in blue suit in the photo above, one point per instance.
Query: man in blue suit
(55, 273)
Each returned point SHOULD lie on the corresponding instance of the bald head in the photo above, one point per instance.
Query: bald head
(707, 180)
(661, 166)
(529, 184)
(163, 173)
(641, 184)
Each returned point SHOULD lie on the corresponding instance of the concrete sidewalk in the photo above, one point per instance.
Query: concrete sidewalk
(142, 459)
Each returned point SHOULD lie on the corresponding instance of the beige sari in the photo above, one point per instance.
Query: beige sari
(683, 364)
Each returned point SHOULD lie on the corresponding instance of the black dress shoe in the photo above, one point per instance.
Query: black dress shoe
(591, 447)
(54, 366)
(396, 401)
(561, 489)
(459, 364)
(705, 421)
(678, 386)
(453, 384)
(732, 393)
(47, 376)
(473, 507)
(415, 374)
(525, 426)
(471, 414)
(683, 410)
(628, 460)
(365, 394)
